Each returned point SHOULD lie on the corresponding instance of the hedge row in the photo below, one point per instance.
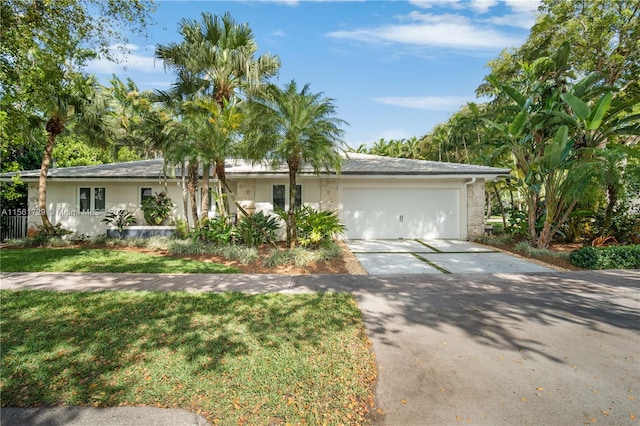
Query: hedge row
(610, 257)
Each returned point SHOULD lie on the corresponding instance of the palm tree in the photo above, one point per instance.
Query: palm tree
(78, 98)
(297, 128)
(219, 57)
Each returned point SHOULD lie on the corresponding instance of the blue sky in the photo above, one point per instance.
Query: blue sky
(394, 68)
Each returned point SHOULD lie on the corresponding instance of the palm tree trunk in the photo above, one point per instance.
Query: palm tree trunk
(192, 185)
(54, 127)
(222, 177)
(185, 193)
(292, 233)
(204, 206)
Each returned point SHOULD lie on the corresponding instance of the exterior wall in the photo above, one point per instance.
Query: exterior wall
(324, 193)
(264, 192)
(328, 194)
(475, 209)
(63, 204)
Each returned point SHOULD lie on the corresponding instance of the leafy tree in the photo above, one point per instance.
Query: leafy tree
(296, 128)
(558, 129)
(43, 47)
(603, 36)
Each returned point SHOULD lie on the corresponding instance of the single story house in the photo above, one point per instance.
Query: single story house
(375, 197)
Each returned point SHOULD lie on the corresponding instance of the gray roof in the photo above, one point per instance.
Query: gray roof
(355, 165)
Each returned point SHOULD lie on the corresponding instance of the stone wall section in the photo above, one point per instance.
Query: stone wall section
(475, 209)
(246, 190)
(328, 194)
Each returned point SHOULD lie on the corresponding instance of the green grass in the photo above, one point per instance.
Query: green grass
(100, 260)
(235, 358)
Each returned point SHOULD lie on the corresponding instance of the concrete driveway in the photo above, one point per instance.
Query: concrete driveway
(383, 257)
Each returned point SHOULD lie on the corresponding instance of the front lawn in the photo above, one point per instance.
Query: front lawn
(100, 260)
(235, 358)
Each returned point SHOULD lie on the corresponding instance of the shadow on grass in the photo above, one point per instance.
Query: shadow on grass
(170, 349)
(101, 260)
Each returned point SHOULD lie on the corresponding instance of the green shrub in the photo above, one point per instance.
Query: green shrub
(315, 228)
(610, 257)
(119, 219)
(262, 230)
(217, 231)
(157, 208)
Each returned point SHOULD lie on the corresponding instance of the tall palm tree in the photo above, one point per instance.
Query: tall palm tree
(78, 98)
(219, 57)
(296, 128)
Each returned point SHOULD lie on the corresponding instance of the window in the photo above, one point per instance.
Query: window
(298, 200)
(280, 196)
(85, 199)
(99, 202)
(145, 193)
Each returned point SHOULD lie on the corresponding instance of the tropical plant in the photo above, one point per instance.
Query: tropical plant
(216, 58)
(297, 128)
(119, 219)
(157, 208)
(218, 231)
(315, 228)
(258, 229)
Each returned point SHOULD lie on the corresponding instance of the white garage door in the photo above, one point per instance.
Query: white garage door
(371, 213)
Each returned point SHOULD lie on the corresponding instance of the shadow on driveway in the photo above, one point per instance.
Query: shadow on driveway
(552, 348)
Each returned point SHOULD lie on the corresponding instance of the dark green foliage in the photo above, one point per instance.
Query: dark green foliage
(314, 227)
(157, 208)
(119, 219)
(261, 231)
(610, 257)
(217, 231)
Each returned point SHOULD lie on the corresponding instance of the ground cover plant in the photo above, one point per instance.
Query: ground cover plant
(101, 260)
(610, 257)
(235, 358)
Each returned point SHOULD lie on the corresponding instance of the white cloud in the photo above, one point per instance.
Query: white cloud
(427, 4)
(523, 20)
(126, 59)
(523, 6)
(452, 31)
(278, 33)
(482, 6)
(431, 103)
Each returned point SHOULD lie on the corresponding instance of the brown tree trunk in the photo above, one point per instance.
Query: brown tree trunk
(54, 127)
(292, 230)
(192, 185)
(532, 205)
(222, 177)
(502, 212)
(185, 193)
(204, 206)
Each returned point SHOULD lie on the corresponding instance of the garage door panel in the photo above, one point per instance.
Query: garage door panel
(401, 213)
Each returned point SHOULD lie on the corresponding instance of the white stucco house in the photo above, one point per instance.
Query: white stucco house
(376, 197)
